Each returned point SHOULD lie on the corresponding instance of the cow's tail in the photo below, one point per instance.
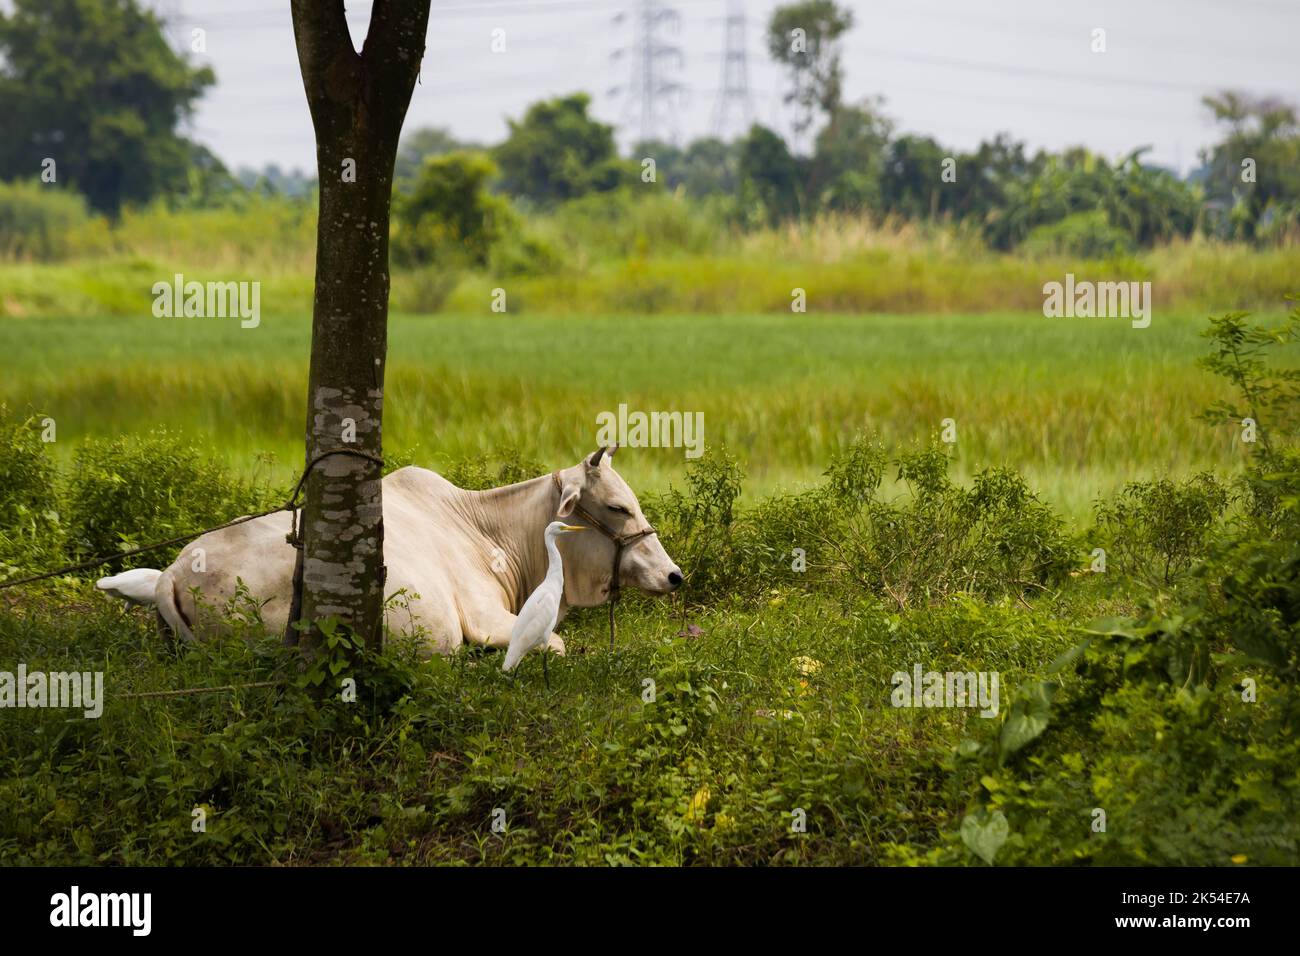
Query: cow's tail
(165, 597)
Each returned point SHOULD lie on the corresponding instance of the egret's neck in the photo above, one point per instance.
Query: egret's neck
(554, 564)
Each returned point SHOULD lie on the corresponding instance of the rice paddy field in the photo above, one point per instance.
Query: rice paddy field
(775, 698)
(1078, 405)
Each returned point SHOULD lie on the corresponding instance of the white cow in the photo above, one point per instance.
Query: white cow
(467, 560)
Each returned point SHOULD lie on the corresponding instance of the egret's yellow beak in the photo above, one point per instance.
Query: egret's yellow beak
(574, 527)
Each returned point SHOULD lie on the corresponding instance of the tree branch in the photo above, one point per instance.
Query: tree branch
(330, 66)
(392, 54)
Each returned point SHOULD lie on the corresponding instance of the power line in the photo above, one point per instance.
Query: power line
(1286, 8)
(258, 18)
(960, 64)
(1019, 101)
(1042, 28)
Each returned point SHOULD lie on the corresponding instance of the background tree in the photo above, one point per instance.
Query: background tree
(272, 180)
(358, 102)
(771, 176)
(558, 152)
(848, 166)
(710, 167)
(984, 176)
(669, 160)
(419, 145)
(816, 79)
(93, 85)
(703, 167)
(912, 185)
(1265, 131)
(207, 181)
(1149, 203)
(449, 216)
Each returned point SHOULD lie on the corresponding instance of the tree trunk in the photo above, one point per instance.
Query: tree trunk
(358, 102)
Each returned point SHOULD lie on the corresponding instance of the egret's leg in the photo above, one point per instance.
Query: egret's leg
(545, 677)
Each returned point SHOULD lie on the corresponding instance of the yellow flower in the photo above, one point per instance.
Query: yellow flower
(695, 810)
(807, 665)
(1240, 858)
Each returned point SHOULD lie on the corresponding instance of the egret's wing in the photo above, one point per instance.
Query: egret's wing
(537, 616)
(534, 624)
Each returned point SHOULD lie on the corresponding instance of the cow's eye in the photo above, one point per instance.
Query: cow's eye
(618, 509)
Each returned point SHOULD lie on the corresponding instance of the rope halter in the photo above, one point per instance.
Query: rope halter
(620, 542)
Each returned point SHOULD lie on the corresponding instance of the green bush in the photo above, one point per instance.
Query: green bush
(634, 222)
(134, 491)
(780, 543)
(1267, 401)
(1181, 726)
(424, 290)
(449, 217)
(30, 530)
(450, 223)
(992, 539)
(696, 523)
(1172, 737)
(522, 252)
(1156, 531)
(492, 471)
(1088, 235)
(39, 221)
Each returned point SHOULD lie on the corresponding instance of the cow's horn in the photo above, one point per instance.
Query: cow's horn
(594, 461)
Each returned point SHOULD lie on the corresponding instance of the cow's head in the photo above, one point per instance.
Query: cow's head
(595, 487)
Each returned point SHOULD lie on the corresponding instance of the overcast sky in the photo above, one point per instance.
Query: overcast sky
(957, 70)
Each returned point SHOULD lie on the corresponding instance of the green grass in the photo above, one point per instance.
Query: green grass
(586, 773)
(1078, 405)
(626, 254)
(775, 698)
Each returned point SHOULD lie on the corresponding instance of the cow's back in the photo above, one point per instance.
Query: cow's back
(432, 557)
(418, 550)
(255, 553)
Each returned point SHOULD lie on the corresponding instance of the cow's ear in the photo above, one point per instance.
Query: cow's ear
(569, 496)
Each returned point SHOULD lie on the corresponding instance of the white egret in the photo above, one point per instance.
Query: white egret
(133, 587)
(537, 617)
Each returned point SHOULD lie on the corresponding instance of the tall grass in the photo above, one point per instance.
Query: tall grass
(1080, 406)
(273, 237)
(623, 254)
